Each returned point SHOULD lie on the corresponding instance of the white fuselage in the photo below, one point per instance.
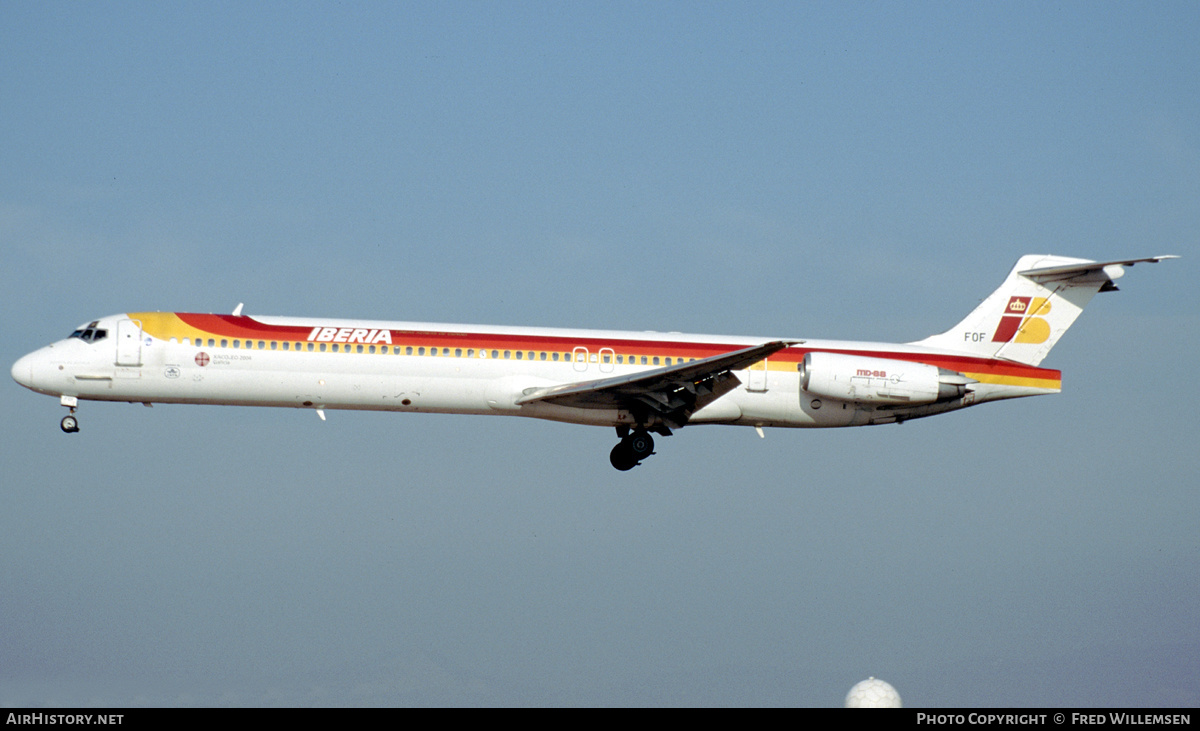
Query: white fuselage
(463, 369)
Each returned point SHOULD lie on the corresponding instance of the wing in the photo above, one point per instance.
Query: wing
(672, 393)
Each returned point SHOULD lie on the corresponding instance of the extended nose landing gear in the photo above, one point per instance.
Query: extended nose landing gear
(69, 423)
(631, 450)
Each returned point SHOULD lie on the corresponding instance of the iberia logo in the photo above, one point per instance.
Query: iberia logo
(1019, 321)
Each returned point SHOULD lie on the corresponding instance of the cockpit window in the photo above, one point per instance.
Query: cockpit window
(91, 333)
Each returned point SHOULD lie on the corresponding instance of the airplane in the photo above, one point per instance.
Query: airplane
(640, 383)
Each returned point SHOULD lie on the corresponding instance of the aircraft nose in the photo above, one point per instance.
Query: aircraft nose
(22, 371)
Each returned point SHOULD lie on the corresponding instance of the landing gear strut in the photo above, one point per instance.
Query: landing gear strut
(69, 423)
(631, 450)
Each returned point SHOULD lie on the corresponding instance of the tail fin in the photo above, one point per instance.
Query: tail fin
(1038, 301)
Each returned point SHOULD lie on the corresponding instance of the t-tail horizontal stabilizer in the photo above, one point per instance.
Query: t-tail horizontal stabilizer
(1038, 301)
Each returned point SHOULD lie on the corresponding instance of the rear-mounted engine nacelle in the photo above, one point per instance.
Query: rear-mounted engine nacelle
(878, 380)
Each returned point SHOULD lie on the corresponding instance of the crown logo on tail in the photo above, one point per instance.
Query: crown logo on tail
(1013, 324)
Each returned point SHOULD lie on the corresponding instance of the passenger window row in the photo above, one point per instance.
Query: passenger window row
(578, 356)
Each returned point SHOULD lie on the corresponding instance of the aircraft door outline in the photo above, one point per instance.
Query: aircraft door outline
(129, 343)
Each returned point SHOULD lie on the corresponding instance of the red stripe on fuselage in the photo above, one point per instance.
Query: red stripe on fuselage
(241, 326)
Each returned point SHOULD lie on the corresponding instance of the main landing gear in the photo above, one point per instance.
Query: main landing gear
(632, 449)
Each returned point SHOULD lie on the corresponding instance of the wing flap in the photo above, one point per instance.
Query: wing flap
(676, 391)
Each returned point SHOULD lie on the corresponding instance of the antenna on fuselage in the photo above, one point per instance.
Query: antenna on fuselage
(237, 311)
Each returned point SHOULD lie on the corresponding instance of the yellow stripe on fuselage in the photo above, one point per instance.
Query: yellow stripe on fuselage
(991, 378)
(167, 325)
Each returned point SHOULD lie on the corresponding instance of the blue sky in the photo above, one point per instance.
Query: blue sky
(865, 171)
